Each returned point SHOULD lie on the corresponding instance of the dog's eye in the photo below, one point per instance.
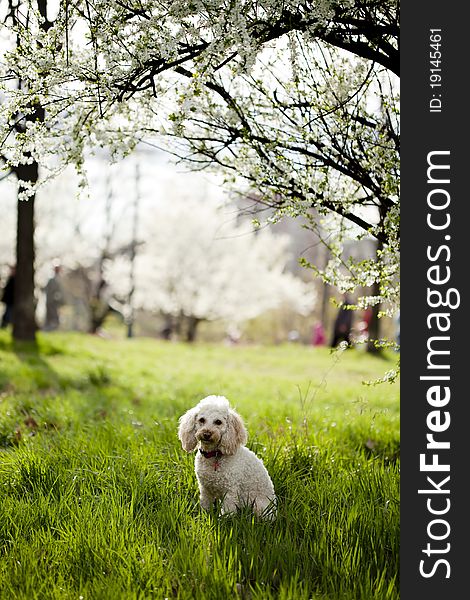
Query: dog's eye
(217, 422)
(202, 420)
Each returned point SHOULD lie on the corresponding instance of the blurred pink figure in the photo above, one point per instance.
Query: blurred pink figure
(318, 336)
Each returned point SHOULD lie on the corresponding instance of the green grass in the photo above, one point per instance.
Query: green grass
(99, 501)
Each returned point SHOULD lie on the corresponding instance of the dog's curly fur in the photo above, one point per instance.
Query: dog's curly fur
(225, 469)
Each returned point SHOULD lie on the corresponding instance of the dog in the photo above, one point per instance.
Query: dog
(226, 470)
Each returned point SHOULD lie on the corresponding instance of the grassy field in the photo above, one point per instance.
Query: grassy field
(99, 501)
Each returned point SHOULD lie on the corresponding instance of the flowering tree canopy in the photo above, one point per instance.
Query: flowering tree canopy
(320, 131)
(299, 99)
(99, 65)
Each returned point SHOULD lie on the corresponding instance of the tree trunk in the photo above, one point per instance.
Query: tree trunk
(99, 308)
(24, 318)
(193, 322)
(374, 325)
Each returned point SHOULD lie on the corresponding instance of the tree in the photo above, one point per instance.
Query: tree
(315, 135)
(320, 131)
(325, 147)
(105, 63)
(198, 264)
(25, 167)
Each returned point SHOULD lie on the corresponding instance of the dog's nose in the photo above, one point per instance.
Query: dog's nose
(207, 435)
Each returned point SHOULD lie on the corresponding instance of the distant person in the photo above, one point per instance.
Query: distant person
(343, 323)
(293, 335)
(364, 325)
(8, 298)
(54, 299)
(233, 335)
(318, 335)
(367, 317)
(166, 331)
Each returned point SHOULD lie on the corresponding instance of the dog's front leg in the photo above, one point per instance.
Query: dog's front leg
(229, 505)
(206, 499)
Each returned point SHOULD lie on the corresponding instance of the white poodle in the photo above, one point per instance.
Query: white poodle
(225, 469)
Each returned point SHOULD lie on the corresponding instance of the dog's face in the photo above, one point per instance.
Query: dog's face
(212, 424)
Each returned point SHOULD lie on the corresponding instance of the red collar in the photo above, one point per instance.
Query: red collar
(211, 454)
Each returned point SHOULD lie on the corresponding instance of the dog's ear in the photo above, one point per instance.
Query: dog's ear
(235, 435)
(186, 430)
